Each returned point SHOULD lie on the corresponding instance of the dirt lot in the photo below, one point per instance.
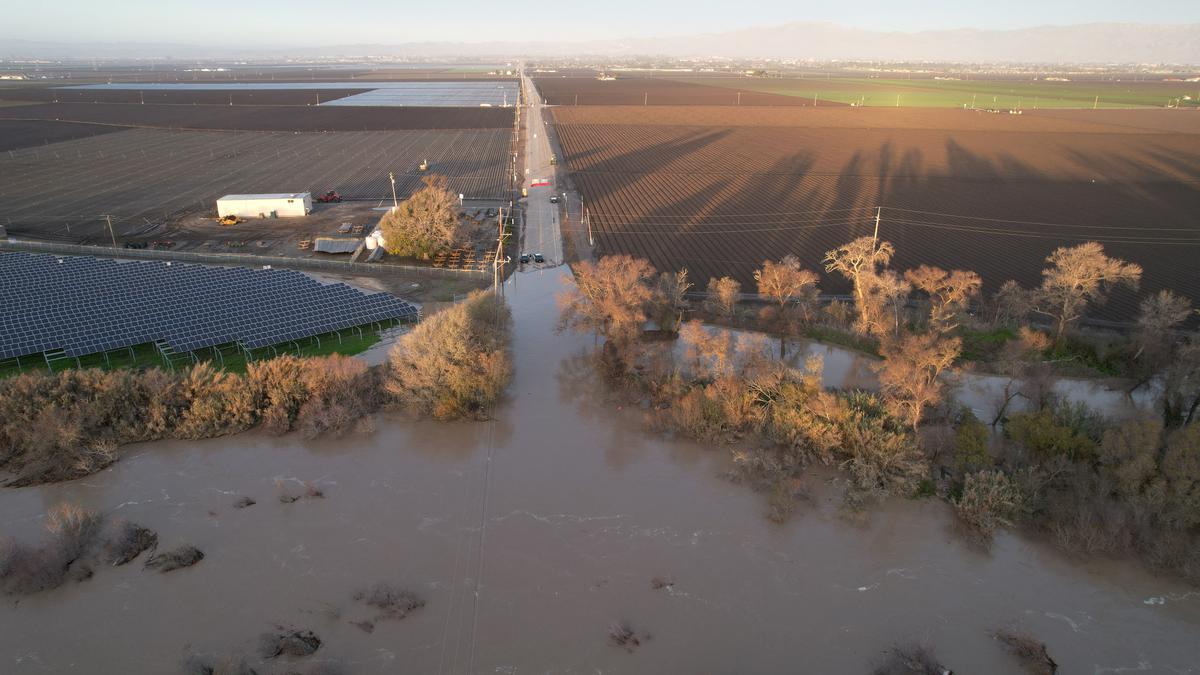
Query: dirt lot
(722, 189)
(651, 92)
(266, 118)
(145, 177)
(201, 233)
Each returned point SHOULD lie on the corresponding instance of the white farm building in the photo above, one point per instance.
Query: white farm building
(282, 205)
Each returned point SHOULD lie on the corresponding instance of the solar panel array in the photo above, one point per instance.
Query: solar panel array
(85, 305)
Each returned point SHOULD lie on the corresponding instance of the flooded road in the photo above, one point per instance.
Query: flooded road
(531, 535)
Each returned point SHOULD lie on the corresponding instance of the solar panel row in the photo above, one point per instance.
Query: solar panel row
(85, 305)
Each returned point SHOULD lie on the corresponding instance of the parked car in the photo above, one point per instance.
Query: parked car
(491, 213)
(539, 258)
(524, 258)
(553, 199)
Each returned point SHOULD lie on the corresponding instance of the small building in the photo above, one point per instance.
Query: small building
(281, 205)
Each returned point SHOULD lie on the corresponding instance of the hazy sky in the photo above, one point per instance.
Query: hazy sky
(295, 22)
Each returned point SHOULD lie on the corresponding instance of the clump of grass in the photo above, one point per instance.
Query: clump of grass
(127, 541)
(910, 659)
(1032, 652)
(620, 634)
(392, 602)
(177, 558)
(288, 642)
(310, 491)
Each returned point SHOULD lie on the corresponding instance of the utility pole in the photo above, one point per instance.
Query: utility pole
(392, 177)
(739, 98)
(108, 219)
(498, 261)
(646, 100)
(1096, 103)
(878, 211)
(587, 217)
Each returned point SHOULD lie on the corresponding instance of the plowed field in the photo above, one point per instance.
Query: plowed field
(142, 176)
(718, 190)
(266, 118)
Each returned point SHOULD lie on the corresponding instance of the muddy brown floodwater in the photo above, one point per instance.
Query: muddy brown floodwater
(529, 537)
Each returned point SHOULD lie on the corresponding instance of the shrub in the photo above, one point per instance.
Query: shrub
(971, 443)
(455, 363)
(989, 500)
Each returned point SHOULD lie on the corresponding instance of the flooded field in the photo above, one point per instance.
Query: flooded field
(531, 536)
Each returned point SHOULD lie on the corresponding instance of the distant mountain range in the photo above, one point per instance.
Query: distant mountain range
(1116, 43)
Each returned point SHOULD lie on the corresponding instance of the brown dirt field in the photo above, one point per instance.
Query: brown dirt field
(154, 96)
(267, 118)
(16, 134)
(652, 92)
(720, 198)
(1048, 121)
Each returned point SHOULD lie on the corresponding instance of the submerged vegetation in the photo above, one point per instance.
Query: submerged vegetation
(1094, 485)
(66, 425)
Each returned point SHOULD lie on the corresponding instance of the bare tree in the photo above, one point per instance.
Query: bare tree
(608, 297)
(1077, 276)
(425, 223)
(670, 300)
(949, 293)
(860, 261)
(1181, 395)
(707, 351)
(889, 293)
(723, 296)
(786, 282)
(909, 374)
(1010, 304)
(1160, 313)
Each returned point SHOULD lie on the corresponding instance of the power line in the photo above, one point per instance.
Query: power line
(1044, 224)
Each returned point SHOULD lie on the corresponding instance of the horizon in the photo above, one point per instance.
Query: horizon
(141, 23)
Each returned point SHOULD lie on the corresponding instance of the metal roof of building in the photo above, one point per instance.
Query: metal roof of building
(268, 195)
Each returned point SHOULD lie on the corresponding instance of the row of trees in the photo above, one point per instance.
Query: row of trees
(61, 426)
(617, 295)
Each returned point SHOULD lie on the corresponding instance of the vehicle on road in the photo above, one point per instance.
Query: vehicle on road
(553, 199)
(539, 258)
(524, 258)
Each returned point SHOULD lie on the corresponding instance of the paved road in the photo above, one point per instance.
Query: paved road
(542, 233)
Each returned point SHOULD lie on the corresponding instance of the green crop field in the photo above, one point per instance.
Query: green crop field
(1002, 94)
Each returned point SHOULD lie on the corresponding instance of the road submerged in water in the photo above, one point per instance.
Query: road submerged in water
(530, 536)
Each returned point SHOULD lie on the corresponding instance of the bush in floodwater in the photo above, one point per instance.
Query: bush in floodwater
(989, 500)
(127, 541)
(61, 426)
(26, 569)
(177, 558)
(392, 602)
(910, 659)
(340, 390)
(197, 665)
(456, 363)
(1031, 652)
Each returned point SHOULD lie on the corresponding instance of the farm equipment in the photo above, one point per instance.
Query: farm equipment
(231, 220)
(330, 197)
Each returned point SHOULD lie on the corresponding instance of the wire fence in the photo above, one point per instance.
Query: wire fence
(365, 269)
